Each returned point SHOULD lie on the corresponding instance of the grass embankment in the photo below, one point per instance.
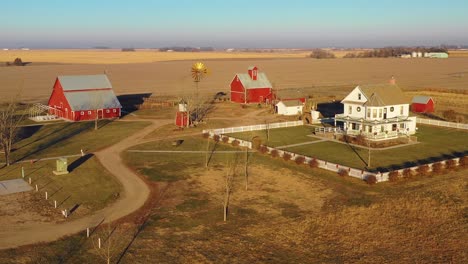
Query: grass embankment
(435, 143)
(88, 183)
(289, 213)
(69, 138)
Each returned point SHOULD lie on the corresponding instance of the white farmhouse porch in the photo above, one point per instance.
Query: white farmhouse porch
(377, 129)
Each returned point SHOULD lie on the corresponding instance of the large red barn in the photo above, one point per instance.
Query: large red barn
(422, 104)
(251, 87)
(84, 97)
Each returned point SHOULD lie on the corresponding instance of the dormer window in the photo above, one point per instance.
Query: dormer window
(359, 96)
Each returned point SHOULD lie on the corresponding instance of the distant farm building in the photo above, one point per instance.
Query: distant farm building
(422, 104)
(251, 87)
(289, 107)
(436, 55)
(84, 97)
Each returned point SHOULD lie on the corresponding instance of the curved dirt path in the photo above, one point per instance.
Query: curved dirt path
(134, 194)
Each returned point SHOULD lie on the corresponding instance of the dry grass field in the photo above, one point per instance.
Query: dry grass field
(322, 77)
(112, 56)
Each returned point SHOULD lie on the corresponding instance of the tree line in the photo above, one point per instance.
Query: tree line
(392, 52)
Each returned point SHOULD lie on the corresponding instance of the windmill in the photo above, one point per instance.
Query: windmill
(199, 71)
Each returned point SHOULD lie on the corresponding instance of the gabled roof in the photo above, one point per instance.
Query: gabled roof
(290, 103)
(88, 92)
(261, 82)
(420, 99)
(382, 95)
(84, 82)
(91, 100)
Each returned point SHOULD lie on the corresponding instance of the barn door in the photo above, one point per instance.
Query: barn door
(100, 113)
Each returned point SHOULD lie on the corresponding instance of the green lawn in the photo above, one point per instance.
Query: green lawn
(87, 184)
(70, 138)
(435, 143)
(279, 136)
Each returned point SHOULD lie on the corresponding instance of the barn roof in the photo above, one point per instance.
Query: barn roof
(84, 82)
(261, 82)
(420, 99)
(382, 95)
(94, 99)
(89, 92)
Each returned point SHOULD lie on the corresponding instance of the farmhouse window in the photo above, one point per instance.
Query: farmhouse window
(401, 110)
(358, 109)
(89, 112)
(391, 109)
(402, 125)
(350, 109)
(380, 113)
(368, 113)
(82, 113)
(374, 113)
(359, 96)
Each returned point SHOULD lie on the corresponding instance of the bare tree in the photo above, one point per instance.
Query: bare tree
(110, 241)
(228, 184)
(10, 119)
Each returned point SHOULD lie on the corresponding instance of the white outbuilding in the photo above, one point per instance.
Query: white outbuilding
(289, 107)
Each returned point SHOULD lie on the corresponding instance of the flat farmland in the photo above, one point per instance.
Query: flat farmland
(332, 77)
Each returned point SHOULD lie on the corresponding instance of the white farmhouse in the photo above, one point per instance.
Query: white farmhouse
(289, 107)
(378, 112)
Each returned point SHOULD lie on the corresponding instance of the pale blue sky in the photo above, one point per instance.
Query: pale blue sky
(240, 23)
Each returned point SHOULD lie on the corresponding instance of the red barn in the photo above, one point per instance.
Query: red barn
(422, 104)
(251, 87)
(84, 97)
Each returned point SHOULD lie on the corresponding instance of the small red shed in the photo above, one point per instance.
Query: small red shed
(251, 87)
(84, 97)
(182, 119)
(422, 104)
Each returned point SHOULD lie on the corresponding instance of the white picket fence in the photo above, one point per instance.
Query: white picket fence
(323, 164)
(222, 131)
(441, 123)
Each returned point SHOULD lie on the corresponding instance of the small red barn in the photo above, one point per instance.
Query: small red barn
(84, 97)
(251, 87)
(422, 104)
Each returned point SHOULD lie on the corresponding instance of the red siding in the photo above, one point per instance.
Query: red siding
(256, 95)
(58, 101)
(423, 108)
(237, 91)
(181, 119)
(259, 95)
(62, 108)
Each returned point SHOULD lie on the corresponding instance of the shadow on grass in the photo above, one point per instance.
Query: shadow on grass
(75, 164)
(59, 139)
(419, 162)
(130, 102)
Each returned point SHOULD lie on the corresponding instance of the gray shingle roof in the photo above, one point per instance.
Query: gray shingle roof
(382, 95)
(90, 100)
(420, 99)
(84, 82)
(261, 82)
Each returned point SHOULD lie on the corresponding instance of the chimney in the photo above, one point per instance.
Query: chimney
(253, 72)
(392, 81)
